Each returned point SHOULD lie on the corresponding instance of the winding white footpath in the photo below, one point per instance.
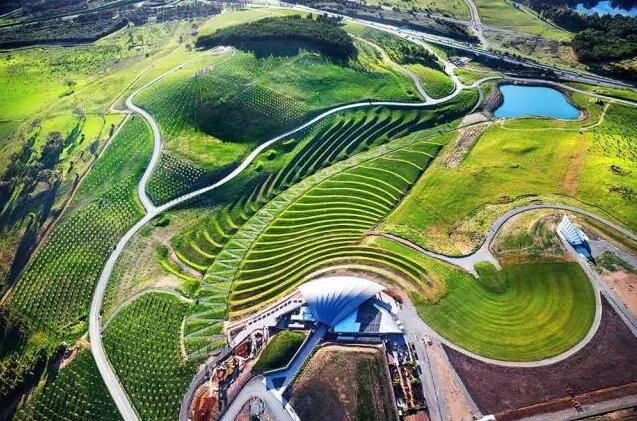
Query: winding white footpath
(106, 370)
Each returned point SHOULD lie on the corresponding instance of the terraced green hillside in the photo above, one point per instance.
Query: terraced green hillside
(215, 248)
(325, 225)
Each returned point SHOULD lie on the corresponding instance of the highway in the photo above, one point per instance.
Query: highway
(404, 32)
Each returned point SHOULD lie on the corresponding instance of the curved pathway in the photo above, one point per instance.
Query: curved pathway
(418, 328)
(476, 23)
(256, 388)
(107, 372)
(483, 253)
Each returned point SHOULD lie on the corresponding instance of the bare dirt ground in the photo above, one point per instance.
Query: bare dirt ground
(464, 141)
(458, 408)
(344, 383)
(604, 368)
(576, 163)
(624, 284)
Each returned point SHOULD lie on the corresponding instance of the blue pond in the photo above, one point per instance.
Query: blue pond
(535, 101)
(605, 8)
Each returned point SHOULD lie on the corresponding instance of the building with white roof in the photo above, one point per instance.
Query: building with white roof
(574, 236)
(348, 304)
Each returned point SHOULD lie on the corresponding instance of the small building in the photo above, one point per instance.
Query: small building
(575, 237)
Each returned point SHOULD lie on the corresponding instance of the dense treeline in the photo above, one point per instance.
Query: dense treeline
(92, 26)
(598, 39)
(607, 39)
(322, 32)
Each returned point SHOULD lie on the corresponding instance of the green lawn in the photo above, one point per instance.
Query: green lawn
(507, 14)
(436, 83)
(621, 93)
(279, 351)
(608, 178)
(519, 160)
(502, 166)
(452, 8)
(526, 312)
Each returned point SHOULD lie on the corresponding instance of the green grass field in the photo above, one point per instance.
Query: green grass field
(436, 82)
(509, 15)
(607, 177)
(526, 312)
(452, 8)
(449, 209)
(279, 351)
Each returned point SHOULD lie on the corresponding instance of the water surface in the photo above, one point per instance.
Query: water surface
(534, 101)
(606, 8)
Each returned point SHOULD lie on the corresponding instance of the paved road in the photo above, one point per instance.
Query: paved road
(598, 247)
(256, 388)
(263, 387)
(476, 23)
(112, 383)
(414, 77)
(448, 42)
(414, 326)
(483, 253)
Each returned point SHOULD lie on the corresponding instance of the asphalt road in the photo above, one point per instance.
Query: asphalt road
(448, 42)
(416, 327)
(256, 388)
(112, 383)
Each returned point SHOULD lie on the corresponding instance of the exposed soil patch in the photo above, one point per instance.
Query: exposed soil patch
(344, 383)
(462, 144)
(571, 179)
(624, 284)
(608, 361)
(458, 407)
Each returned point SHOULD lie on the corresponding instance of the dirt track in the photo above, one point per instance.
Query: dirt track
(607, 361)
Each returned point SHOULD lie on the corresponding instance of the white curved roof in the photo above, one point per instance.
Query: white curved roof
(572, 234)
(332, 298)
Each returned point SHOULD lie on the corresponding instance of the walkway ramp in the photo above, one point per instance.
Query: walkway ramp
(280, 379)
